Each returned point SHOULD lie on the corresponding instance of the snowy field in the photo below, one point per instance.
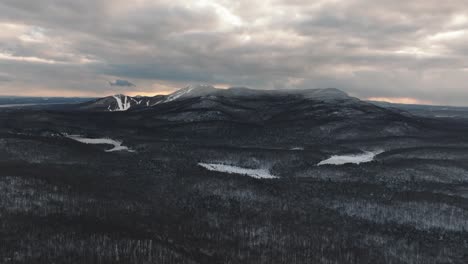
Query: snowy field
(254, 173)
(104, 141)
(367, 156)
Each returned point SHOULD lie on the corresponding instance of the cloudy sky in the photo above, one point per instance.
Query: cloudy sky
(407, 51)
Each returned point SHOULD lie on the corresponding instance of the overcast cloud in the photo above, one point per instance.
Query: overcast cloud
(371, 49)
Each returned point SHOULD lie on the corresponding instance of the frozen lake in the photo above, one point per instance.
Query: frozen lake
(367, 156)
(104, 141)
(254, 173)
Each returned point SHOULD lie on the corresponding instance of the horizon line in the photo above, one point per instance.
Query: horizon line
(405, 100)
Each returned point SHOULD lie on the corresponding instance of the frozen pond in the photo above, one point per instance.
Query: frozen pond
(367, 156)
(297, 148)
(254, 173)
(98, 141)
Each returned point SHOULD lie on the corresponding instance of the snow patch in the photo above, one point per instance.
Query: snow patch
(185, 91)
(176, 95)
(254, 173)
(297, 148)
(122, 105)
(158, 102)
(97, 141)
(136, 101)
(367, 156)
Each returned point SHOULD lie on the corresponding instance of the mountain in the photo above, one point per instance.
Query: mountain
(311, 113)
(118, 102)
(190, 92)
(122, 102)
(430, 111)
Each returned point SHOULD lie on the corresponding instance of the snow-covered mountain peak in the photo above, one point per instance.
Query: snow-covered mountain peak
(191, 91)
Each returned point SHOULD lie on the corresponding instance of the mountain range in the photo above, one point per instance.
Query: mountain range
(121, 102)
(312, 113)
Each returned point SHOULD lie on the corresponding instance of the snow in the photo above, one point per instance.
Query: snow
(254, 173)
(136, 101)
(176, 95)
(190, 88)
(185, 91)
(158, 102)
(97, 141)
(367, 156)
(297, 148)
(122, 106)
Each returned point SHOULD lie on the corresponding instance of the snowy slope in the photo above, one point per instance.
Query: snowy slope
(123, 103)
(120, 103)
(209, 94)
(191, 91)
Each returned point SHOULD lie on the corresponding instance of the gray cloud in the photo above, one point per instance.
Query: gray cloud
(384, 48)
(123, 83)
(5, 77)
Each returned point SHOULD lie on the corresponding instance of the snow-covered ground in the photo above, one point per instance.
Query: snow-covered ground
(367, 156)
(254, 173)
(97, 141)
(122, 105)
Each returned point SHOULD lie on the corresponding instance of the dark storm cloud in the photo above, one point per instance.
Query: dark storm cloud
(123, 83)
(368, 48)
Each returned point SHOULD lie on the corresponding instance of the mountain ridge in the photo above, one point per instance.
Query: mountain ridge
(122, 102)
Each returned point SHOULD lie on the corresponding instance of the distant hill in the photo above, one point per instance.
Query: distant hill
(19, 100)
(432, 111)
